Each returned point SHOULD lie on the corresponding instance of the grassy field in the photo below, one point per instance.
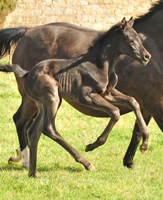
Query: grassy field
(61, 176)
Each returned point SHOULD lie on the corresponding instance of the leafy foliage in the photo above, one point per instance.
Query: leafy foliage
(6, 6)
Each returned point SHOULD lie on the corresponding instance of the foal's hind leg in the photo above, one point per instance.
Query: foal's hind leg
(49, 129)
(34, 133)
(46, 118)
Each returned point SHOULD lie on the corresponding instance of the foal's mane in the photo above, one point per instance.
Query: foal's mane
(98, 40)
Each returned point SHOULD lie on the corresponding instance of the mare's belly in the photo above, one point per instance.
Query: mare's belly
(95, 112)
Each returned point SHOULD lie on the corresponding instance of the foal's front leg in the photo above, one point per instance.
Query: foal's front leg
(117, 97)
(96, 101)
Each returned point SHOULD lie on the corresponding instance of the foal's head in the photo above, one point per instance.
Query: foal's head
(131, 44)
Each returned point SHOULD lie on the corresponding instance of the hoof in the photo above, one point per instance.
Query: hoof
(37, 176)
(132, 166)
(86, 148)
(89, 147)
(90, 168)
(10, 161)
(142, 150)
(16, 158)
(34, 175)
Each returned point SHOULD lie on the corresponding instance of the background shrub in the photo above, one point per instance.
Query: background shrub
(6, 6)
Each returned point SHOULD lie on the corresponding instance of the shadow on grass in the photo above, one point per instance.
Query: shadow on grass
(59, 168)
(11, 168)
(55, 167)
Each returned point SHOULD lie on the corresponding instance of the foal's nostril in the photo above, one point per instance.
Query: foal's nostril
(147, 56)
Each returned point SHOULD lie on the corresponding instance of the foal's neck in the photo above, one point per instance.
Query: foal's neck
(108, 53)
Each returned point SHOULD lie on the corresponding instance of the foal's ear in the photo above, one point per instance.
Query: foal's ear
(130, 23)
(123, 23)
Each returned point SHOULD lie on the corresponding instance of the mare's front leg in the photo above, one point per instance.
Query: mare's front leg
(136, 137)
(96, 101)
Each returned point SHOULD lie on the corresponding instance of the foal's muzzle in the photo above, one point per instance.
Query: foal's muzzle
(145, 58)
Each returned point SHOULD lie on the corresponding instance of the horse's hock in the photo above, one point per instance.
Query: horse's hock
(97, 14)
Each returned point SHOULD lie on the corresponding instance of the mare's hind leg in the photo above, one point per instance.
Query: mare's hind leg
(21, 117)
(136, 137)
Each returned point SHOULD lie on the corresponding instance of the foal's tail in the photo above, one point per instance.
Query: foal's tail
(8, 38)
(19, 72)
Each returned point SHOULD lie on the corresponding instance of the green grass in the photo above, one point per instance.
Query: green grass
(61, 176)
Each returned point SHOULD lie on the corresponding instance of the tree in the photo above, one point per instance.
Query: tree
(6, 6)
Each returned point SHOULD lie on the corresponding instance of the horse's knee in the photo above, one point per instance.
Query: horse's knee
(16, 118)
(116, 114)
(85, 100)
(101, 141)
(134, 103)
(49, 131)
(45, 130)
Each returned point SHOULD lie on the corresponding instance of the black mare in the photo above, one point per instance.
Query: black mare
(87, 83)
(63, 40)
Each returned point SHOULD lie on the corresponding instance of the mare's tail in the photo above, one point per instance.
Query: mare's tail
(9, 37)
(19, 72)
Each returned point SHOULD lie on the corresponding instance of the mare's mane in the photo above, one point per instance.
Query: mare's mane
(156, 7)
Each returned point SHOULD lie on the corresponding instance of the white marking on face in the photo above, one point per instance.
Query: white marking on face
(142, 36)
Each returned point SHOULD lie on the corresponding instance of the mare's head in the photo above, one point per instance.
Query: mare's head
(131, 43)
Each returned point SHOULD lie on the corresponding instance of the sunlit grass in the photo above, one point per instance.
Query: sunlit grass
(61, 176)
